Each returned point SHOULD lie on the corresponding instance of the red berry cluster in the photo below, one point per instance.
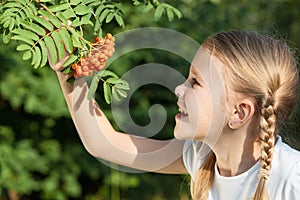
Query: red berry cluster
(102, 49)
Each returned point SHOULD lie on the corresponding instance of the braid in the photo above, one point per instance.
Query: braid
(267, 142)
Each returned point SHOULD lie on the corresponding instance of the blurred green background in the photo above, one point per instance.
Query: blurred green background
(41, 156)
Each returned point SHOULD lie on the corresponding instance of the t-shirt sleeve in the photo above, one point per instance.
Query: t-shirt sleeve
(292, 191)
(194, 154)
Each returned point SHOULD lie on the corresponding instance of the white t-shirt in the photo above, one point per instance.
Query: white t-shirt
(283, 183)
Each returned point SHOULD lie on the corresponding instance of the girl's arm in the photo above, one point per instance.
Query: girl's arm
(102, 141)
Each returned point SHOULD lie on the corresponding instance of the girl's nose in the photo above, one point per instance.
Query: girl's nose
(179, 90)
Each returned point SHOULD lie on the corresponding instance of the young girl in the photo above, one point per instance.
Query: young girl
(240, 89)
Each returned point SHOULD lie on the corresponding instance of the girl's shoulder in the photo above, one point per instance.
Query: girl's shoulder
(194, 154)
(286, 161)
(285, 154)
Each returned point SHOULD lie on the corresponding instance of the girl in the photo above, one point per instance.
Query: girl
(240, 89)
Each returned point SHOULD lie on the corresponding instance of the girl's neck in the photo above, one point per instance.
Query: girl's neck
(236, 153)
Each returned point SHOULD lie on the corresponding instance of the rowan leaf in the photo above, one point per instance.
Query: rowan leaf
(170, 14)
(105, 73)
(75, 2)
(59, 45)
(59, 7)
(27, 34)
(119, 20)
(82, 9)
(51, 48)
(109, 17)
(64, 34)
(44, 53)
(27, 55)
(33, 27)
(46, 24)
(93, 87)
(107, 92)
(115, 94)
(99, 9)
(23, 47)
(53, 19)
(37, 57)
(112, 80)
(158, 12)
(122, 84)
(70, 60)
(23, 39)
(103, 15)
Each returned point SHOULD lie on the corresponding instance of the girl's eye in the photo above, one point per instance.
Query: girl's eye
(195, 82)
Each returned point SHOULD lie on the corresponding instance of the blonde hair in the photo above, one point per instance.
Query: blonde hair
(264, 68)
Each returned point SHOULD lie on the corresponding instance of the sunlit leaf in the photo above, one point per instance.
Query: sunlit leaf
(107, 92)
(93, 87)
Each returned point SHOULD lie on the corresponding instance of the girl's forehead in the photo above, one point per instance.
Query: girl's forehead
(207, 66)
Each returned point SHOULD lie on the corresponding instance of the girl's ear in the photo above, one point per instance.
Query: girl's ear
(241, 114)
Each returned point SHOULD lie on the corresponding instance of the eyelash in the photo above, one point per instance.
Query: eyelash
(194, 81)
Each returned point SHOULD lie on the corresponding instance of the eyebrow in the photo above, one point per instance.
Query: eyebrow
(195, 72)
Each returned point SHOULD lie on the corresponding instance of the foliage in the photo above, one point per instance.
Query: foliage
(56, 28)
(37, 138)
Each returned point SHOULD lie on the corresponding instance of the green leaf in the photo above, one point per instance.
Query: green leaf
(122, 84)
(158, 12)
(120, 20)
(112, 80)
(6, 37)
(13, 5)
(43, 22)
(64, 34)
(51, 49)
(27, 55)
(23, 39)
(82, 9)
(76, 22)
(63, 18)
(93, 87)
(97, 26)
(44, 53)
(6, 24)
(67, 70)
(70, 60)
(86, 20)
(37, 57)
(12, 25)
(23, 47)
(115, 94)
(75, 37)
(147, 7)
(177, 13)
(33, 27)
(120, 92)
(28, 34)
(107, 92)
(99, 9)
(53, 19)
(59, 45)
(68, 14)
(104, 73)
(109, 17)
(136, 2)
(103, 15)
(170, 14)
(75, 2)
(59, 7)
(26, 9)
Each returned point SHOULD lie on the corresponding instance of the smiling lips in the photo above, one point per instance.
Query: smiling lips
(182, 113)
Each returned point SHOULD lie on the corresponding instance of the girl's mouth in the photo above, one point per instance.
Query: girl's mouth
(181, 114)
